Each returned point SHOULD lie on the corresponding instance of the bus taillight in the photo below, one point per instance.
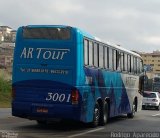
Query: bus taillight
(75, 96)
(13, 93)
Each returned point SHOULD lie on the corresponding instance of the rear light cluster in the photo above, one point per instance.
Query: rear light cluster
(75, 96)
(154, 100)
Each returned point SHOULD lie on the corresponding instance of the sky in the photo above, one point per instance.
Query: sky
(132, 24)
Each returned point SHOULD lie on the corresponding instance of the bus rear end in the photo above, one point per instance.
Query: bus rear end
(44, 74)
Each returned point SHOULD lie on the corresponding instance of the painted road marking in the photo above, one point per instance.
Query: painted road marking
(156, 114)
(90, 131)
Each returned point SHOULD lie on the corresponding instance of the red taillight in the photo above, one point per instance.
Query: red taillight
(13, 93)
(75, 96)
(154, 100)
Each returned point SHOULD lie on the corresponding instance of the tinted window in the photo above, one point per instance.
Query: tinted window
(141, 65)
(101, 58)
(106, 57)
(129, 63)
(122, 62)
(110, 59)
(156, 79)
(132, 67)
(138, 66)
(114, 59)
(125, 62)
(118, 65)
(95, 54)
(47, 33)
(135, 65)
(90, 53)
(86, 59)
(149, 95)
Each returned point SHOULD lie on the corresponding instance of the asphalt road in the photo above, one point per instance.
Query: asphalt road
(145, 124)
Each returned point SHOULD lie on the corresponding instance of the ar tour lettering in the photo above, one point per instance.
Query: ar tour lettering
(44, 53)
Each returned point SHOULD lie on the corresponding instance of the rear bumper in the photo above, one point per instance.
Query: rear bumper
(51, 111)
(150, 104)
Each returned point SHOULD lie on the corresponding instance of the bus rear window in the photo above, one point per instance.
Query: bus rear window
(47, 33)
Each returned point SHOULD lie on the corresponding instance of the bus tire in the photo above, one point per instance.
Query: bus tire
(96, 116)
(132, 114)
(158, 107)
(143, 107)
(104, 114)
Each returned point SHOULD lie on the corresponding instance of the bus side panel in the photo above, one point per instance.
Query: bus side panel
(106, 84)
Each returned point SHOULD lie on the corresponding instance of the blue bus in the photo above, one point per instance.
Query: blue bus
(62, 72)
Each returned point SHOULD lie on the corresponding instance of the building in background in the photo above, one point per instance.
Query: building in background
(6, 55)
(7, 34)
(151, 63)
(13, 35)
(7, 44)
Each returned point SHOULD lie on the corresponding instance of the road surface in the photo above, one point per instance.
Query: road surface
(146, 121)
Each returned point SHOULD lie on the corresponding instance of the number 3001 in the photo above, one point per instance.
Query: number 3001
(58, 97)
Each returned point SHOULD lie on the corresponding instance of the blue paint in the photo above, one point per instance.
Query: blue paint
(34, 78)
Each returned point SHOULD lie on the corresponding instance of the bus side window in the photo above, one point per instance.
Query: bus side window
(118, 63)
(90, 53)
(132, 66)
(135, 65)
(141, 66)
(110, 59)
(129, 64)
(86, 52)
(125, 62)
(122, 61)
(101, 56)
(138, 66)
(106, 58)
(95, 55)
(114, 59)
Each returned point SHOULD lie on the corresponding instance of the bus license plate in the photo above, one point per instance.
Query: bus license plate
(42, 110)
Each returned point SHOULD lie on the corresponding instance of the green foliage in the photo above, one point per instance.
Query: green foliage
(5, 93)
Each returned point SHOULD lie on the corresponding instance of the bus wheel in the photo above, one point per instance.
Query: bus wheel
(104, 114)
(158, 107)
(96, 116)
(132, 114)
(143, 107)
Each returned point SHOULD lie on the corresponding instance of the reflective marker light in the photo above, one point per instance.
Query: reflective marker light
(75, 96)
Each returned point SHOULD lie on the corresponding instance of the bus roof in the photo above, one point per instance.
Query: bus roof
(108, 43)
(84, 33)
